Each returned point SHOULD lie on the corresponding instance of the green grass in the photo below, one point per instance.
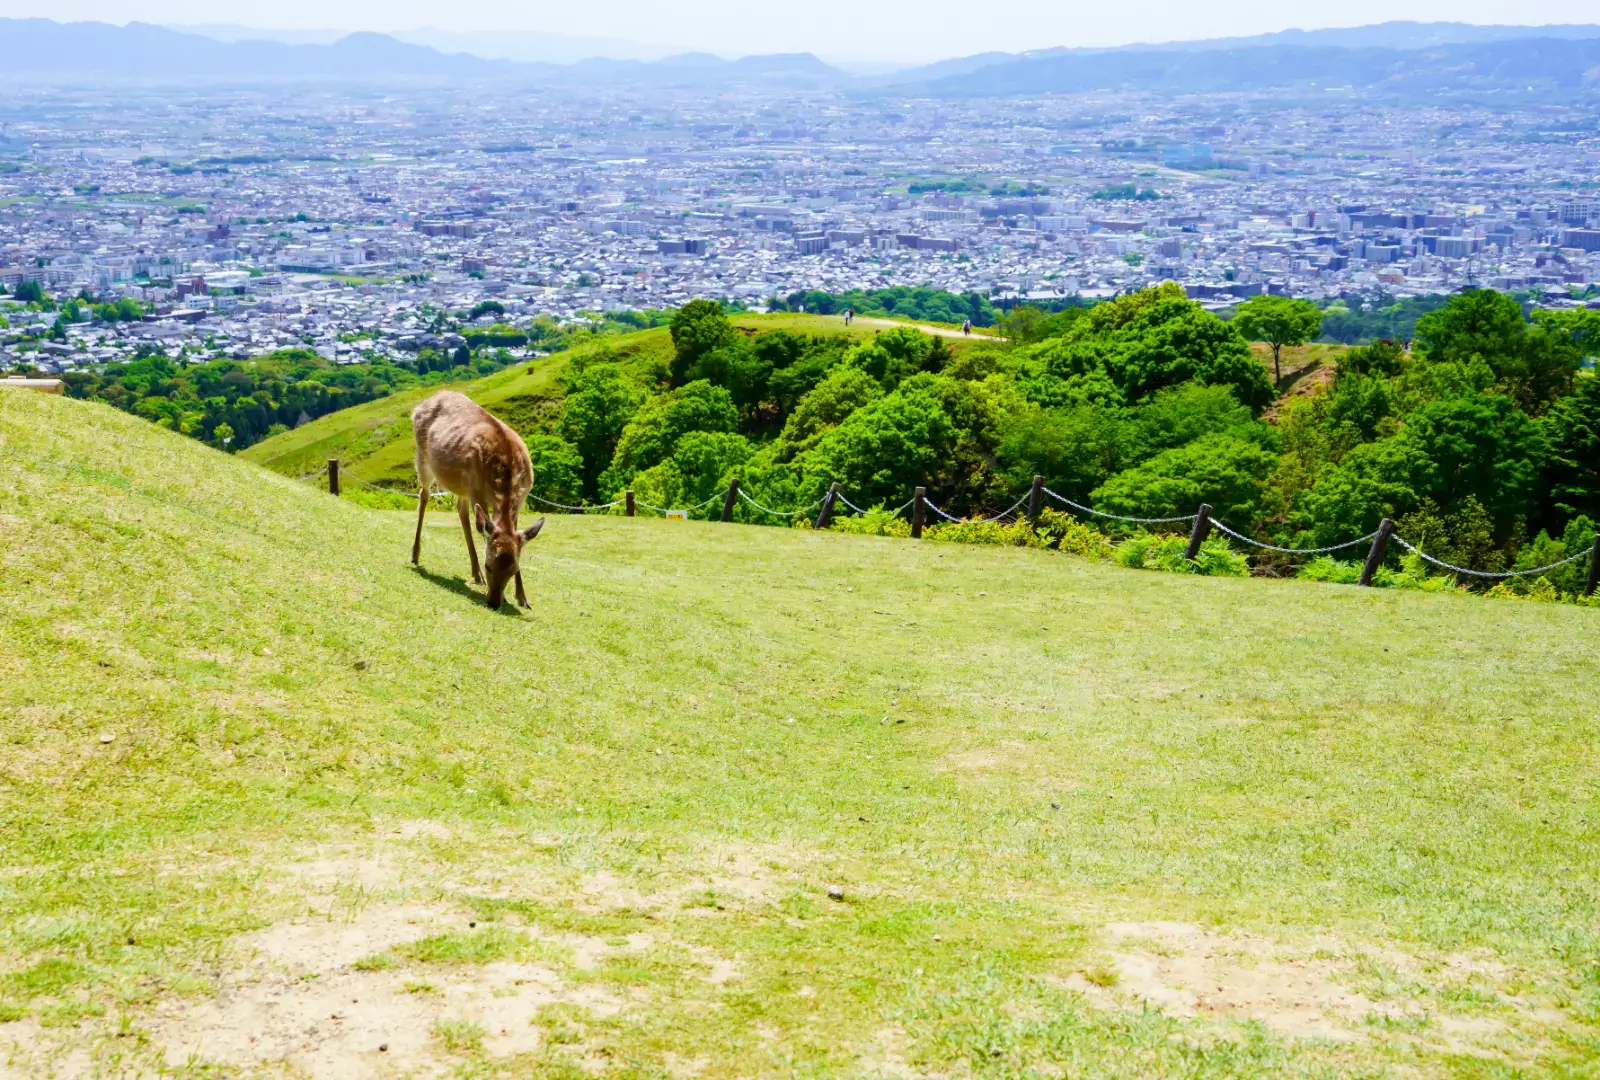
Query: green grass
(644, 786)
(373, 441)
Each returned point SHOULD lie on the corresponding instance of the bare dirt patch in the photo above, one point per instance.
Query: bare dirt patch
(1189, 971)
(301, 1006)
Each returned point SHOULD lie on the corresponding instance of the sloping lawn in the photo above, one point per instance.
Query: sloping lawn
(271, 799)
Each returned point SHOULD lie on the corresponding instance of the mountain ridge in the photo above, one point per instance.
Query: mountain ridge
(1399, 58)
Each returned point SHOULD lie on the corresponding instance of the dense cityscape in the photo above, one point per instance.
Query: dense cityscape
(367, 223)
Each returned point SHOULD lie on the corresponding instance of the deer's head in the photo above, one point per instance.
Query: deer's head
(502, 556)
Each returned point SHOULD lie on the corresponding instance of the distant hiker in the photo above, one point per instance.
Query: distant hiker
(485, 465)
(848, 315)
(966, 327)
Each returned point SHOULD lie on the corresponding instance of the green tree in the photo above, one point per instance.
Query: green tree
(653, 433)
(1137, 344)
(1278, 321)
(799, 365)
(892, 356)
(1543, 550)
(1479, 447)
(1379, 358)
(707, 460)
(698, 328)
(1480, 339)
(1224, 470)
(883, 450)
(1477, 323)
(1181, 414)
(1075, 449)
(1026, 324)
(600, 400)
(736, 367)
(845, 390)
(222, 434)
(557, 469)
(1572, 430)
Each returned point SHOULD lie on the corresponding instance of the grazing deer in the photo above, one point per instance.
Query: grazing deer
(485, 465)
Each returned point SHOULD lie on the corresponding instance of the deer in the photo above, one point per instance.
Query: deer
(477, 458)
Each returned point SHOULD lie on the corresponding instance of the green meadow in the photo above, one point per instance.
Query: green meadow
(732, 801)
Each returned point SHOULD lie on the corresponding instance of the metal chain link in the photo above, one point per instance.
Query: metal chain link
(1116, 517)
(1484, 573)
(564, 506)
(897, 510)
(390, 491)
(375, 487)
(778, 513)
(1291, 551)
(691, 509)
(974, 521)
(848, 503)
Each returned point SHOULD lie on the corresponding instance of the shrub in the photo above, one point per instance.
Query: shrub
(1148, 551)
(1413, 574)
(1014, 534)
(878, 521)
(1334, 571)
(1056, 531)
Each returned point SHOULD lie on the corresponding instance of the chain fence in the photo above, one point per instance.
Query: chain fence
(1376, 537)
(1294, 551)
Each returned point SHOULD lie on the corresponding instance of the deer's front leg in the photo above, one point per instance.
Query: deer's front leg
(472, 549)
(522, 597)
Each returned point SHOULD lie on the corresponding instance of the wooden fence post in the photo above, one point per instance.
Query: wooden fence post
(825, 517)
(1033, 500)
(917, 502)
(627, 497)
(1594, 567)
(1380, 545)
(333, 476)
(733, 497)
(1202, 529)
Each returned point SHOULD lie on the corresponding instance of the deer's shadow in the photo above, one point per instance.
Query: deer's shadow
(461, 587)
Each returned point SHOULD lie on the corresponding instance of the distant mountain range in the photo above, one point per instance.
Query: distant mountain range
(1548, 67)
(1400, 59)
(524, 46)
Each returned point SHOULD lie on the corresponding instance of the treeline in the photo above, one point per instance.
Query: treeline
(919, 304)
(233, 404)
(1483, 441)
(1377, 321)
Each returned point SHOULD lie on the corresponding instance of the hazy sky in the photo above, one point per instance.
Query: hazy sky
(893, 30)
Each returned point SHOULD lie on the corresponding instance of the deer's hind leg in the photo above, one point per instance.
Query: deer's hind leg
(464, 509)
(424, 482)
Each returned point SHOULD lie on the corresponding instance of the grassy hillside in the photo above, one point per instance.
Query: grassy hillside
(374, 440)
(272, 802)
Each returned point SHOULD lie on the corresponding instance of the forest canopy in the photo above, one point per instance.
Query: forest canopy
(1482, 440)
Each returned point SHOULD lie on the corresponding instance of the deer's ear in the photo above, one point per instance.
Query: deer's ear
(481, 519)
(532, 530)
